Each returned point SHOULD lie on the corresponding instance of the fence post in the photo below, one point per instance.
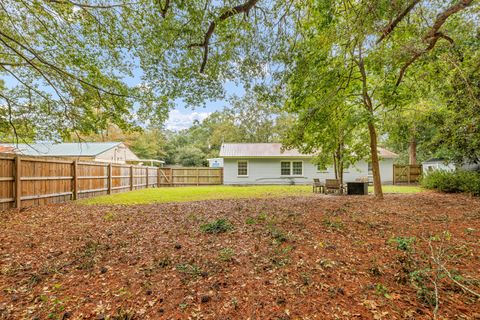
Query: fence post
(18, 181)
(198, 177)
(109, 182)
(75, 180)
(146, 177)
(408, 173)
(131, 178)
(393, 174)
(158, 177)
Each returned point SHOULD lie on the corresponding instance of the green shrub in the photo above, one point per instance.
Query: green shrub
(452, 181)
(217, 226)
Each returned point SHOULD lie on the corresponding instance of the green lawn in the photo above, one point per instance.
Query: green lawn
(185, 194)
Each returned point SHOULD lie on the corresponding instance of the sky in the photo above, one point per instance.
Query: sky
(182, 117)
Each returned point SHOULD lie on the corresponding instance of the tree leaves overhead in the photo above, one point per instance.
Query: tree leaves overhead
(76, 62)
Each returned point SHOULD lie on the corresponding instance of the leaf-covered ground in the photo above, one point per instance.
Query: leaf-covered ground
(320, 257)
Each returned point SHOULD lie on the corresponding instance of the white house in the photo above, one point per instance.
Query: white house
(437, 164)
(215, 162)
(266, 163)
(112, 152)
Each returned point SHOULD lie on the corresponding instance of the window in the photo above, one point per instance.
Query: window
(297, 168)
(285, 168)
(291, 168)
(242, 168)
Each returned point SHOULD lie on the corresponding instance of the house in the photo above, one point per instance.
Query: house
(437, 164)
(110, 152)
(267, 163)
(215, 162)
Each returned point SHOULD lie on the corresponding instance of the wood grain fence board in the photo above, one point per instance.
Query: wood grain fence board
(42, 181)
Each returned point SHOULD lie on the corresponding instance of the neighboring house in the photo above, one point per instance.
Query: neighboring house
(437, 164)
(215, 162)
(110, 152)
(266, 163)
(7, 149)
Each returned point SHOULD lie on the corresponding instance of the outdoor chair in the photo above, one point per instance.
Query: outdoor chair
(317, 186)
(332, 185)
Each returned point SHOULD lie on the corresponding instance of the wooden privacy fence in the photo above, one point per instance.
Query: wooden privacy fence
(406, 173)
(27, 181)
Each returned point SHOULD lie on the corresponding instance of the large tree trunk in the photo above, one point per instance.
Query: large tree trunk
(412, 151)
(377, 182)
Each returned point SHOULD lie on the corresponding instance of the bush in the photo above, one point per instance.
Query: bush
(453, 181)
(217, 226)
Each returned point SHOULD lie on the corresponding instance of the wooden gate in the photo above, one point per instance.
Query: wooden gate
(406, 173)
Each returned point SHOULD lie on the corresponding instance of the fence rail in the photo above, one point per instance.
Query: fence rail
(27, 181)
(406, 173)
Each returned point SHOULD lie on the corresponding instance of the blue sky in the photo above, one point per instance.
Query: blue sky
(182, 118)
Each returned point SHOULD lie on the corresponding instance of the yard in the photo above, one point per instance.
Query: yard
(292, 256)
(183, 194)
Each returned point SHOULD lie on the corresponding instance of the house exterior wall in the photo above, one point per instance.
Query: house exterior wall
(120, 154)
(267, 171)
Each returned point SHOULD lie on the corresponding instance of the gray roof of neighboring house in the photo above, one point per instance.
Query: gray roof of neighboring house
(234, 150)
(82, 149)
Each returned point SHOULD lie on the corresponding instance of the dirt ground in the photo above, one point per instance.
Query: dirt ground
(325, 257)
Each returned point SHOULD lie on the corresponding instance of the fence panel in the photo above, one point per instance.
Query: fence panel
(31, 181)
(7, 182)
(406, 173)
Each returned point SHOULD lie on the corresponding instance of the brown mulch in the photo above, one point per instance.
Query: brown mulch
(325, 257)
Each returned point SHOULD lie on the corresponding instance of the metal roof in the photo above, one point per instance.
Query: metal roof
(235, 150)
(82, 149)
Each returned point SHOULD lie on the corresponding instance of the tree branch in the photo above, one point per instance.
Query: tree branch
(434, 35)
(389, 28)
(243, 8)
(164, 9)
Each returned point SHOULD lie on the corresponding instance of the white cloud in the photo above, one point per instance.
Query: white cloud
(178, 120)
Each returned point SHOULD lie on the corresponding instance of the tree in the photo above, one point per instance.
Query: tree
(69, 62)
(345, 52)
(190, 156)
(333, 134)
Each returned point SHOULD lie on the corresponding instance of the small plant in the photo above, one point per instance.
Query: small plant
(109, 216)
(281, 256)
(382, 290)
(333, 224)
(260, 218)
(278, 235)
(404, 243)
(217, 226)
(190, 269)
(226, 254)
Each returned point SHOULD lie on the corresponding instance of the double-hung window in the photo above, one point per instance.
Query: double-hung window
(291, 168)
(242, 168)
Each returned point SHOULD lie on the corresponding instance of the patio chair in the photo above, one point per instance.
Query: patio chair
(317, 186)
(332, 185)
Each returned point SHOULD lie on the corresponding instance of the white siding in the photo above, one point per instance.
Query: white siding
(267, 171)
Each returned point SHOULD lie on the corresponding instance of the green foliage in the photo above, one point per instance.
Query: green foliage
(226, 254)
(452, 181)
(217, 226)
(404, 243)
(190, 156)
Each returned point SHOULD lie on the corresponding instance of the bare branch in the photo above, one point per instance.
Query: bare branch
(389, 28)
(243, 8)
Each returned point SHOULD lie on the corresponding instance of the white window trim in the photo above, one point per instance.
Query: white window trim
(291, 168)
(248, 169)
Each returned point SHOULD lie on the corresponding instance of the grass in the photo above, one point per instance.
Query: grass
(186, 194)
